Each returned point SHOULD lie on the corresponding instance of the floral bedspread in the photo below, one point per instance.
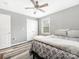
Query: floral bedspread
(49, 52)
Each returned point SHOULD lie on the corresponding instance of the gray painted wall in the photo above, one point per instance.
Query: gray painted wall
(68, 18)
(18, 26)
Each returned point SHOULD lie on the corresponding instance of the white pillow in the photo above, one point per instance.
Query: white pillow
(73, 39)
(56, 36)
(61, 32)
(73, 33)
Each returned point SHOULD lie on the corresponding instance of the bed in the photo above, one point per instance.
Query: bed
(47, 47)
(54, 48)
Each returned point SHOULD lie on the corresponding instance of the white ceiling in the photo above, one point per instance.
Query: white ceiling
(53, 6)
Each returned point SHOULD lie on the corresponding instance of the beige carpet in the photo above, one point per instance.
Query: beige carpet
(20, 51)
(24, 55)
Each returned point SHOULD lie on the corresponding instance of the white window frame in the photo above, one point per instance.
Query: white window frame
(42, 25)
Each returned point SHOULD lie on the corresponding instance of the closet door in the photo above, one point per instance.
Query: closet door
(5, 33)
(32, 28)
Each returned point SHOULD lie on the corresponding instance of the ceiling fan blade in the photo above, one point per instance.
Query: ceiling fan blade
(41, 10)
(36, 2)
(33, 2)
(29, 8)
(44, 5)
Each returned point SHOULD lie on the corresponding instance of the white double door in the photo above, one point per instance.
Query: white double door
(5, 31)
(32, 28)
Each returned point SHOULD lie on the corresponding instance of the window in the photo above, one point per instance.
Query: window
(45, 26)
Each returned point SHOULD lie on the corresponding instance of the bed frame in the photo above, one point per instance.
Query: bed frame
(35, 55)
(34, 51)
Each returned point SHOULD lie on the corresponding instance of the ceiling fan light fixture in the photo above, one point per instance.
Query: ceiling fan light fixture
(37, 6)
(34, 12)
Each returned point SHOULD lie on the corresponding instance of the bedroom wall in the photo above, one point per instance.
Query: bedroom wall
(68, 18)
(65, 19)
(18, 26)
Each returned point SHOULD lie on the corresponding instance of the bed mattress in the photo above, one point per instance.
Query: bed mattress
(66, 45)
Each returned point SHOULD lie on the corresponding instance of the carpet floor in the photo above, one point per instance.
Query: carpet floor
(24, 55)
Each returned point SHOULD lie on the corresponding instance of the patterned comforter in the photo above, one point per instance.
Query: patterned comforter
(51, 52)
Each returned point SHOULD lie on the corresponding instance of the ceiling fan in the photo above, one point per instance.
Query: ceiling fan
(37, 6)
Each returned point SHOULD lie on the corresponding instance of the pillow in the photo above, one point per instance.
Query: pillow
(73, 33)
(61, 32)
(73, 39)
(61, 37)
